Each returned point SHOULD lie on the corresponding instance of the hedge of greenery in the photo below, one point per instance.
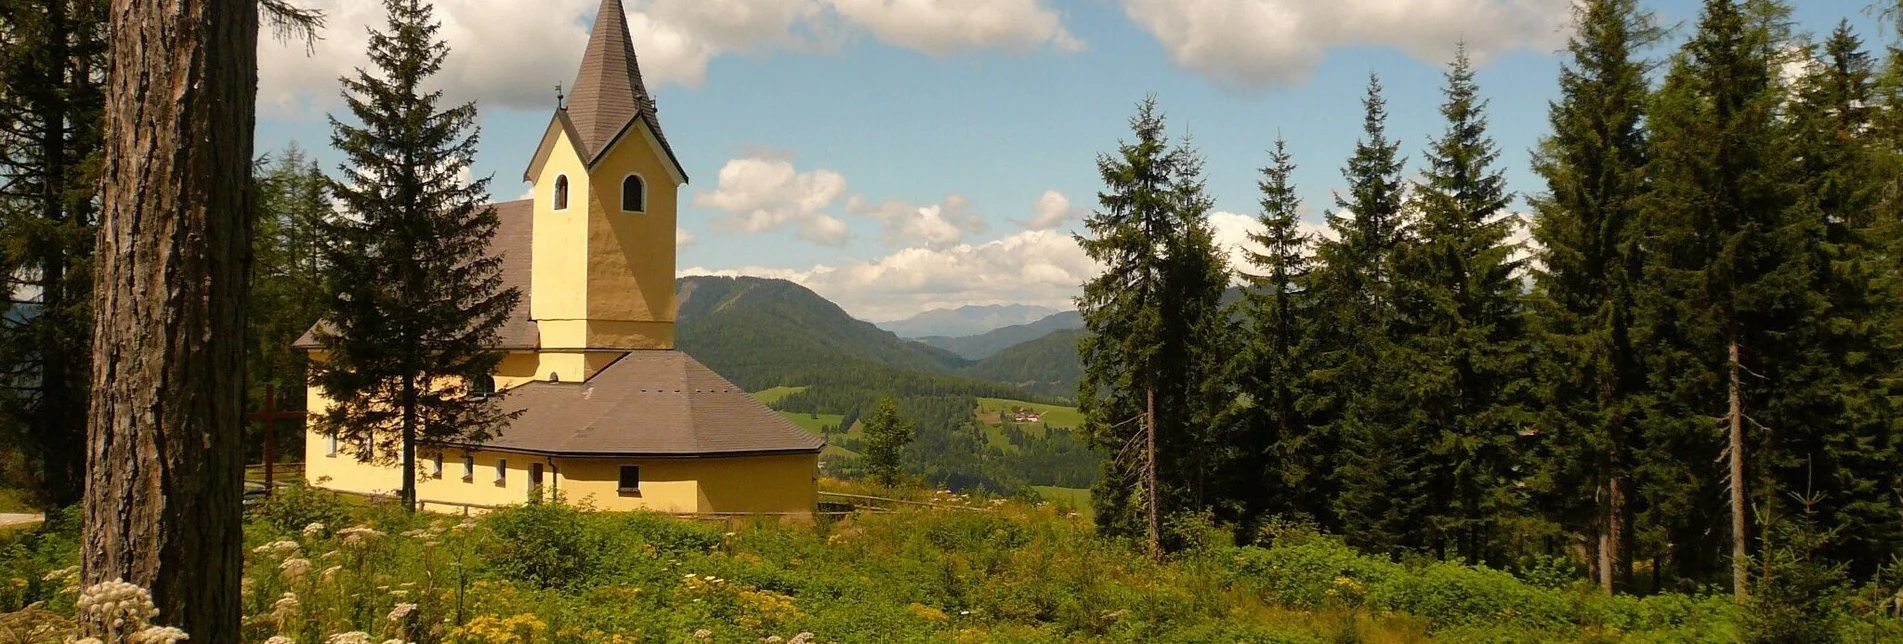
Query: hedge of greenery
(997, 572)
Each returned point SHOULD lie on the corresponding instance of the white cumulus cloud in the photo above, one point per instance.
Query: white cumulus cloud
(765, 193)
(937, 226)
(1049, 211)
(683, 239)
(512, 54)
(1250, 44)
(941, 27)
(1030, 267)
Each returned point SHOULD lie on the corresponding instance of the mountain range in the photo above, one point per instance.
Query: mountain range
(762, 333)
(966, 320)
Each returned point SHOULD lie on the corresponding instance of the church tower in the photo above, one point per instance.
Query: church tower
(606, 188)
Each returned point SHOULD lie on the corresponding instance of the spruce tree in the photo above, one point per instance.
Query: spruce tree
(1154, 323)
(1587, 231)
(1284, 464)
(1725, 281)
(419, 298)
(1351, 395)
(288, 294)
(887, 434)
(52, 78)
(1466, 331)
(1837, 446)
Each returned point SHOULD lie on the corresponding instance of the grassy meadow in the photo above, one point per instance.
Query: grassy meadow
(992, 570)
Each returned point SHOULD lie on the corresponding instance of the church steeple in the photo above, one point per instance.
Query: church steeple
(608, 93)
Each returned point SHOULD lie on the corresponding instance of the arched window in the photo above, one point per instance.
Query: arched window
(482, 388)
(634, 194)
(561, 192)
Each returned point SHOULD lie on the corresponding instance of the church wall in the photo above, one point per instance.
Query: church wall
(631, 255)
(559, 271)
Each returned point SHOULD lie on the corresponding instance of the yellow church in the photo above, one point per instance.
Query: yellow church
(611, 413)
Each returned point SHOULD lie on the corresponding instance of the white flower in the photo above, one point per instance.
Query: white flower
(115, 605)
(313, 529)
(802, 638)
(401, 611)
(277, 548)
(285, 608)
(353, 637)
(295, 567)
(158, 635)
(703, 634)
(280, 639)
(358, 535)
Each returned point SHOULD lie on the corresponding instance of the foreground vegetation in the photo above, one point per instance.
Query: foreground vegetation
(993, 571)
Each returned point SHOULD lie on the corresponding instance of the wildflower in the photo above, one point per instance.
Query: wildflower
(285, 608)
(313, 529)
(63, 574)
(295, 567)
(394, 642)
(802, 638)
(115, 605)
(401, 611)
(158, 635)
(330, 573)
(703, 634)
(280, 639)
(357, 536)
(353, 637)
(772, 639)
(277, 548)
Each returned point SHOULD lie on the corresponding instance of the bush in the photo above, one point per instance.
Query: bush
(549, 545)
(294, 507)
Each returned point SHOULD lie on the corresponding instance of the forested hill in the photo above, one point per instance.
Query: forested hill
(1048, 365)
(984, 345)
(762, 333)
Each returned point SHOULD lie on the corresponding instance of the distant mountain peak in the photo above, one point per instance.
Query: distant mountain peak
(966, 320)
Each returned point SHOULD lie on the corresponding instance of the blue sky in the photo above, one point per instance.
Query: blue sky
(902, 155)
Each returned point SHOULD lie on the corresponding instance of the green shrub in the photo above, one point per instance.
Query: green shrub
(548, 545)
(292, 508)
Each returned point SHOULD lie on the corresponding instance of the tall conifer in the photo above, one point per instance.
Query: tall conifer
(1466, 330)
(1155, 321)
(1724, 280)
(1285, 465)
(420, 301)
(1381, 501)
(1586, 229)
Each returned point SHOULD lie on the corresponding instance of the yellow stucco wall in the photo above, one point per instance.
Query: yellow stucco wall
(559, 273)
(775, 484)
(631, 254)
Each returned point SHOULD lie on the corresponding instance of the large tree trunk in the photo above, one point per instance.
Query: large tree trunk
(1740, 563)
(164, 441)
(1611, 537)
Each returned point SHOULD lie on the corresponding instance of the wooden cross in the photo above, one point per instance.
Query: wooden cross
(270, 415)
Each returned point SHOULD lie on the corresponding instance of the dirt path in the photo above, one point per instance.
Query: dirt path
(10, 520)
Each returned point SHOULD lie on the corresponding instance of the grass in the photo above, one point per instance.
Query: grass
(1075, 498)
(14, 501)
(970, 569)
(992, 411)
(774, 395)
(813, 422)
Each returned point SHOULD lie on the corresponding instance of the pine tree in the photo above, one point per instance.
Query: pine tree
(1285, 462)
(420, 301)
(52, 78)
(1587, 231)
(1154, 323)
(887, 434)
(1351, 397)
(1837, 444)
(1724, 280)
(288, 294)
(1466, 330)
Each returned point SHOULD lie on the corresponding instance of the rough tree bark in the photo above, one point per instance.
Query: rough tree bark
(164, 443)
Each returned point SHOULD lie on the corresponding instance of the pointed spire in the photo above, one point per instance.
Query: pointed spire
(608, 93)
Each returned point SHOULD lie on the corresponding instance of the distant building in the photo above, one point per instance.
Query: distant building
(1027, 416)
(612, 413)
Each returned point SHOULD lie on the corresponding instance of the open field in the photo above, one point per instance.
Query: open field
(1071, 497)
(992, 411)
(770, 396)
(813, 422)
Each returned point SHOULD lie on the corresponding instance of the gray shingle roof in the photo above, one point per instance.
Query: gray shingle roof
(609, 92)
(648, 403)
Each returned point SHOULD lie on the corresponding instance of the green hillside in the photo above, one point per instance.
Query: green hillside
(993, 410)
(1046, 366)
(979, 347)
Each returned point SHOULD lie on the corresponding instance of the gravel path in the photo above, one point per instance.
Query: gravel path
(7, 520)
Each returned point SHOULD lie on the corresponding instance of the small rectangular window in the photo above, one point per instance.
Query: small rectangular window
(439, 466)
(535, 477)
(332, 441)
(469, 467)
(502, 471)
(630, 478)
